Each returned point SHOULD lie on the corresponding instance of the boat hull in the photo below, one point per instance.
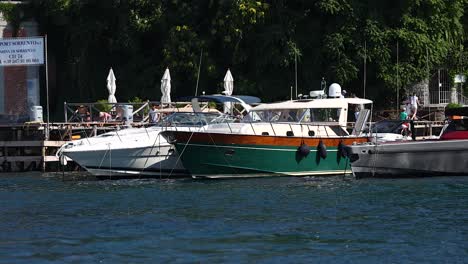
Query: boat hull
(211, 155)
(410, 159)
(159, 161)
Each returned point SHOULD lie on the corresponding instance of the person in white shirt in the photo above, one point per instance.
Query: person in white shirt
(154, 114)
(414, 101)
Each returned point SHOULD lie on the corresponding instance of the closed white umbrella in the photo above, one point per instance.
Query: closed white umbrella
(166, 87)
(228, 83)
(228, 88)
(111, 87)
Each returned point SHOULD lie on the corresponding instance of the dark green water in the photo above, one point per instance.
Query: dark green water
(282, 220)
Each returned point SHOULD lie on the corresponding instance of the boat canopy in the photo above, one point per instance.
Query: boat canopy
(224, 98)
(312, 103)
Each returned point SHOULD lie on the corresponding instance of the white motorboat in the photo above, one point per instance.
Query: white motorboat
(141, 152)
(443, 156)
(389, 130)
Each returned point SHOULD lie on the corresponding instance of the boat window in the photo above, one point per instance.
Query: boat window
(339, 131)
(277, 115)
(458, 125)
(295, 115)
(323, 115)
(194, 119)
(109, 134)
(387, 126)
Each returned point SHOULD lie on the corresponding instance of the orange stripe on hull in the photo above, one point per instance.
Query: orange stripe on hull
(226, 139)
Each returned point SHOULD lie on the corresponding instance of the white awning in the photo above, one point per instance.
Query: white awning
(312, 103)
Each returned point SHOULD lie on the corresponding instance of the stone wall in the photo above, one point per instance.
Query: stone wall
(422, 91)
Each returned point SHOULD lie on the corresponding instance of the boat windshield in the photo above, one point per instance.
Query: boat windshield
(194, 119)
(295, 115)
(387, 126)
(457, 125)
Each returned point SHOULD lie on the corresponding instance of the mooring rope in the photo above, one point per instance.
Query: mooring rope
(110, 162)
(180, 155)
(151, 151)
(374, 159)
(104, 156)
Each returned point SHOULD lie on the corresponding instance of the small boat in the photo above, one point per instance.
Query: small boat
(390, 130)
(143, 152)
(291, 138)
(443, 156)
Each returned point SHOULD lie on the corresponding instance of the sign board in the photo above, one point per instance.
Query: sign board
(459, 78)
(21, 51)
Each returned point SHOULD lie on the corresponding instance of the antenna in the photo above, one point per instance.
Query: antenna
(427, 63)
(47, 132)
(365, 67)
(295, 62)
(198, 75)
(428, 81)
(397, 77)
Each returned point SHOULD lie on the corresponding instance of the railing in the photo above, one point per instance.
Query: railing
(463, 100)
(91, 112)
(439, 97)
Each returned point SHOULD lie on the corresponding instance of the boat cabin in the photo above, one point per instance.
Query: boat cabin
(333, 110)
(300, 118)
(457, 127)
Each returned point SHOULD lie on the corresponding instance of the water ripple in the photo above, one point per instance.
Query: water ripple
(275, 220)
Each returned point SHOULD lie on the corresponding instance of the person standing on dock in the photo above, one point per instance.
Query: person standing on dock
(414, 101)
(154, 114)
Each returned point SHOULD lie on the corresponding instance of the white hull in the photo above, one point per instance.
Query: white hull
(144, 161)
(127, 153)
(409, 159)
(139, 152)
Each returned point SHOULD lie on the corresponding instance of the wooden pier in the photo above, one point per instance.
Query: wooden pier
(24, 147)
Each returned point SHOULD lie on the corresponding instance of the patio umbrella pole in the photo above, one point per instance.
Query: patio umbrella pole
(47, 89)
(198, 75)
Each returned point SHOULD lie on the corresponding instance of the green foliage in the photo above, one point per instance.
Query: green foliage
(12, 13)
(212, 105)
(453, 105)
(257, 40)
(136, 100)
(103, 105)
(137, 103)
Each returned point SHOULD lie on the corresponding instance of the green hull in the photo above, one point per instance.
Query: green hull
(227, 161)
